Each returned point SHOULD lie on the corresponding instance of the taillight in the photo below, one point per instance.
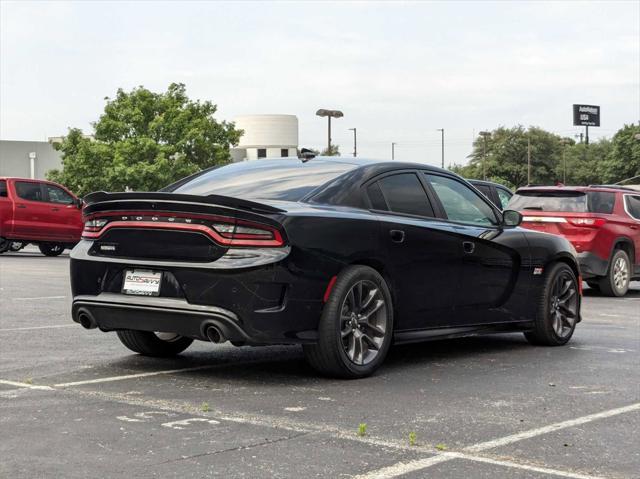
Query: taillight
(589, 222)
(92, 226)
(223, 230)
(247, 234)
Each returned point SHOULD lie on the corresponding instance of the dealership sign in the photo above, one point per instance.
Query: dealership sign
(586, 115)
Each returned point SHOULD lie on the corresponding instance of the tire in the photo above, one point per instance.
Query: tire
(594, 285)
(51, 249)
(357, 316)
(150, 344)
(554, 326)
(5, 244)
(616, 282)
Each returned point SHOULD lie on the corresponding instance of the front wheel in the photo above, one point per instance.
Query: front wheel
(558, 308)
(154, 344)
(356, 326)
(51, 249)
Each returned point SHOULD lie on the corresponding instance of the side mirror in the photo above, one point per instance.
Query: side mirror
(78, 203)
(511, 218)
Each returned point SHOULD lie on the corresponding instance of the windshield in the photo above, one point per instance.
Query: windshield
(288, 180)
(564, 201)
(573, 201)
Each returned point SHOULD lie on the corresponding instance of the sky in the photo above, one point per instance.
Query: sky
(398, 70)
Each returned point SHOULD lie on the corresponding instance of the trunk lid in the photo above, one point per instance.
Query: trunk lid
(177, 227)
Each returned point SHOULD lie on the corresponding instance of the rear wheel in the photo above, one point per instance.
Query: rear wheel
(616, 282)
(5, 244)
(154, 344)
(356, 326)
(51, 249)
(558, 308)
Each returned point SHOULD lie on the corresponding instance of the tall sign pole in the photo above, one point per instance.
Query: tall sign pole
(586, 115)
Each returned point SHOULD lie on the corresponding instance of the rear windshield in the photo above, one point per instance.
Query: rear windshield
(564, 201)
(288, 180)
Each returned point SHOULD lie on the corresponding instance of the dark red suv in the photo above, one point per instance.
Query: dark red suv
(602, 223)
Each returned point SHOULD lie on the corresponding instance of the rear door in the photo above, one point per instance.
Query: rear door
(63, 216)
(632, 207)
(490, 255)
(424, 255)
(31, 213)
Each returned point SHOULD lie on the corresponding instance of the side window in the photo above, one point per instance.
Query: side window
(3, 189)
(404, 194)
(57, 195)
(504, 196)
(29, 191)
(484, 189)
(461, 203)
(601, 202)
(632, 205)
(376, 197)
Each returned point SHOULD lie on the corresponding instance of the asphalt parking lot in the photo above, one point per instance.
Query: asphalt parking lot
(76, 403)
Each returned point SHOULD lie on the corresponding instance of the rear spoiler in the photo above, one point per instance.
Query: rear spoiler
(104, 197)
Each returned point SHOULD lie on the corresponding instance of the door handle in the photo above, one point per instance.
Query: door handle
(20, 206)
(55, 209)
(633, 227)
(397, 236)
(468, 246)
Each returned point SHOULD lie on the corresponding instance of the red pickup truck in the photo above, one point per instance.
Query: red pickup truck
(39, 212)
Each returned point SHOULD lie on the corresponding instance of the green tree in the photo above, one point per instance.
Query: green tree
(144, 141)
(334, 150)
(506, 156)
(623, 161)
(585, 163)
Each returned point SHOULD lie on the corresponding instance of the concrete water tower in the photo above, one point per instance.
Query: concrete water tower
(266, 136)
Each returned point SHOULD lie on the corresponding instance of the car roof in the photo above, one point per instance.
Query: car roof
(485, 182)
(581, 189)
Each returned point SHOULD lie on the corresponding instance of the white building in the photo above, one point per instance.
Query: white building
(266, 136)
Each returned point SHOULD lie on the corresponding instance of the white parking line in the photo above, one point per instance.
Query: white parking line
(419, 464)
(526, 467)
(29, 328)
(25, 385)
(37, 298)
(503, 441)
(131, 376)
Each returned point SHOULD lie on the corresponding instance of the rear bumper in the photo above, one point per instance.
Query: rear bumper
(111, 312)
(592, 265)
(269, 304)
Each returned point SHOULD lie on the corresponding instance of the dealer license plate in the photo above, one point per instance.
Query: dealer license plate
(142, 282)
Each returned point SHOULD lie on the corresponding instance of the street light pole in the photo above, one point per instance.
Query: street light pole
(329, 114)
(564, 142)
(355, 142)
(484, 134)
(393, 150)
(441, 130)
(528, 160)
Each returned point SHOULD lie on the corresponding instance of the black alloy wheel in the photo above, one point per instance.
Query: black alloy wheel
(558, 308)
(356, 326)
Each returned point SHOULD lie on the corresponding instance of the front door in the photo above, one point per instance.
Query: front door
(31, 213)
(490, 258)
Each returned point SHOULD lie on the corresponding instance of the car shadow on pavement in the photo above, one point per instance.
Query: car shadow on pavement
(285, 365)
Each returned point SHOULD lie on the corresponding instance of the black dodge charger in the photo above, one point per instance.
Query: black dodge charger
(344, 256)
